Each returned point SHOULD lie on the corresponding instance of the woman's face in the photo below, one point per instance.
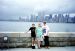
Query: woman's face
(39, 25)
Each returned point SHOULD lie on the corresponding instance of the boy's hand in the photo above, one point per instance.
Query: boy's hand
(26, 32)
(43, 36)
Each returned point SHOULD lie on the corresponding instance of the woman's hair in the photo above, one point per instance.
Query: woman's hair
(39, 25)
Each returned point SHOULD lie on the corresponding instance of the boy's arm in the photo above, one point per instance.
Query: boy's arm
(28, 30)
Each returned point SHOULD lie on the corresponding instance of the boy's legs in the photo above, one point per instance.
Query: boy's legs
(46, 40)
(32, 41)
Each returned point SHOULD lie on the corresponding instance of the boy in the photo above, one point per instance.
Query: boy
(33, 34)
(45, 34)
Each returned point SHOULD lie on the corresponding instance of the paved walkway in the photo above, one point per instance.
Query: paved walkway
(42, 49)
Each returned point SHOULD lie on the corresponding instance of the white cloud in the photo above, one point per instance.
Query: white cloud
(30, 6)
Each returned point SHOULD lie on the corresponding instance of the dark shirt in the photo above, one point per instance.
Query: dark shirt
(33, 34)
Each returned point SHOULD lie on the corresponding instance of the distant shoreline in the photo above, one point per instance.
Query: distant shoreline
(32, 21)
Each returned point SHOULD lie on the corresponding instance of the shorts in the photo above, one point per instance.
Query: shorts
(33, 35)
(33, 38)
(40, 38)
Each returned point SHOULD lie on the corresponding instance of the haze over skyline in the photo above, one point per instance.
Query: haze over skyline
(16, 8)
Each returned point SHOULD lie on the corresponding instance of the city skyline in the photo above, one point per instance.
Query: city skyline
(49, 18)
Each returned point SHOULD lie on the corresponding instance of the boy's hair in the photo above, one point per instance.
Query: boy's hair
(33, 24)
(44, 22)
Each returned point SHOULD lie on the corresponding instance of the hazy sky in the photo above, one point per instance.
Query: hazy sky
(15, 8)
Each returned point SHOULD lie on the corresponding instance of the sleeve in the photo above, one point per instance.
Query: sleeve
(30, 28)
(47, 28)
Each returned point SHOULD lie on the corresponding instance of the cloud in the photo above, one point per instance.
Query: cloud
(25, 7)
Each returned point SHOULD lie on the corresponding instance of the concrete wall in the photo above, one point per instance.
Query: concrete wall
(21, 39)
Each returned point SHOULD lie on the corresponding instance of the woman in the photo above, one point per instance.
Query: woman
(39, 34)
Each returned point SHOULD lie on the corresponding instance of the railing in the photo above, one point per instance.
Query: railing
(22, 39)
(51, 34)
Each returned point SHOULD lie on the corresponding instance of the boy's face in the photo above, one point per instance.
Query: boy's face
(33, 25)
(44, 23)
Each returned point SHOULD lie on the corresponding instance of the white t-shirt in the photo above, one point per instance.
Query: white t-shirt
(45, 30)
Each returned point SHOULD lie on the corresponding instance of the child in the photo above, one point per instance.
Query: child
(39, 35)
(45, 34)
(33, 34)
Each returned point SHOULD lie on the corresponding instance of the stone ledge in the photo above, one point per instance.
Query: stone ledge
(20, 39)
(51, 34)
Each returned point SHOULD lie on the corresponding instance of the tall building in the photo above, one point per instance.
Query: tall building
(47, 18)
(61, 18)
(56, 18)
(70, 20)
(74, 19)
(37, 18)
(50, 18)
(66, 18)
(32, 18)
(41, 16)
